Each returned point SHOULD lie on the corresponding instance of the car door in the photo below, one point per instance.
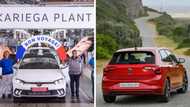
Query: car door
(178, 69)
(169, 66)
(64, 68)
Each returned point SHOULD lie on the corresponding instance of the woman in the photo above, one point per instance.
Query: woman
(75, 71)
(7, 70)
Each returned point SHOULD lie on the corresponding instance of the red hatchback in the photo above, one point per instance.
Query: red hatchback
(144, 71)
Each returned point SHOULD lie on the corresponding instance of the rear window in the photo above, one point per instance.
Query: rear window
(133, 57)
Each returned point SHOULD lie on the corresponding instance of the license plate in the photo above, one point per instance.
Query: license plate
(129, 85)
(39, 89)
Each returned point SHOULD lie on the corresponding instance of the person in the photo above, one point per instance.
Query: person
(7, 71)
(91, 63)
(75, 71)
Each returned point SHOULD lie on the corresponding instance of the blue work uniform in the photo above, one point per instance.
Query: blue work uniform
(7, 66)
(7, 70)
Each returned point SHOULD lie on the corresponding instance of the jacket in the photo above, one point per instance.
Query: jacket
(75, 66)
(7, 66)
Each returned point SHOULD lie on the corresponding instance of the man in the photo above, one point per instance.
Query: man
(75, 71)
(7, 70)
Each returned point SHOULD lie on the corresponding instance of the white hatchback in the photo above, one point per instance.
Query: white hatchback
(40, 74)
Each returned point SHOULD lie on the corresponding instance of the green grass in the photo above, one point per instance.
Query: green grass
(182, 21)
(163, 41)
(100, 64)
(165, 24)
(175, 33)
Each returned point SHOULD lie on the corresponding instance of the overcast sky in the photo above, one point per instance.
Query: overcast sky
(174, 7)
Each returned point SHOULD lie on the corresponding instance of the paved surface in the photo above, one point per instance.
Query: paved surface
(147, 31)
(85, 97)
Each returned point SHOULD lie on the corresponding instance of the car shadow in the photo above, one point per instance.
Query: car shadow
(39, 100)
(143, 99)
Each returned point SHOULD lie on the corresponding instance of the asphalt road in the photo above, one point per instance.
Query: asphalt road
(147, 32)
(84, 101)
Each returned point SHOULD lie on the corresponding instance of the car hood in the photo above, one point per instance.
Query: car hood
(38, 75)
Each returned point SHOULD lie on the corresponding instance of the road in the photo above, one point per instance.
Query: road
(147, 32)
(85, 99)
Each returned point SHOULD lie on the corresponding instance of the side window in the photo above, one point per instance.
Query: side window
(173, 57)
(164, 56)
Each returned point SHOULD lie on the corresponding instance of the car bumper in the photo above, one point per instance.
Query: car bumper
(25, 90)
(30, 93)
(146, 87)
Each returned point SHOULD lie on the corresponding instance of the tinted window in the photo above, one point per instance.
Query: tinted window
(163, 54)
(31, 61)
(133, 57)
(172, 56)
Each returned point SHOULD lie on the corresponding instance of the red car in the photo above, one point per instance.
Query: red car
(144, 71)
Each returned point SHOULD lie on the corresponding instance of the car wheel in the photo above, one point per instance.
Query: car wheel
(109, 98)
(185, 84)
(166, 95)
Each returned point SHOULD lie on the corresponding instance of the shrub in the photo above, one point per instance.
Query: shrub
(105, 46)
(164, 24)
(113, 20)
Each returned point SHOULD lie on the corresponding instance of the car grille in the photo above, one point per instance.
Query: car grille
(59, 92)
(29, 92)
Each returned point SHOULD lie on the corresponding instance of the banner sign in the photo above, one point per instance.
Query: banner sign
(46, 17)
(41, 39)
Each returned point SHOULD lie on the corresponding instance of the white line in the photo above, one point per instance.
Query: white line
(85, 94)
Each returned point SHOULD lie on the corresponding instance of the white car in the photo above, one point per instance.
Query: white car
(40, 74)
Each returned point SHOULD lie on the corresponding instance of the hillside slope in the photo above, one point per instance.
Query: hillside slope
(115, 19)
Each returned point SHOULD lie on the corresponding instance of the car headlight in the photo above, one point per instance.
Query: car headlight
(19, 81)
(59, 81)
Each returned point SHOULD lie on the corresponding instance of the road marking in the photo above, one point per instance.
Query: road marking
(87, 97)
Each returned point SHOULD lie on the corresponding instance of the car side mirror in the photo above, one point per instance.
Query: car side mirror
(181, 60)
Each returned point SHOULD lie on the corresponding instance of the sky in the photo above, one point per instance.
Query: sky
(176, 8)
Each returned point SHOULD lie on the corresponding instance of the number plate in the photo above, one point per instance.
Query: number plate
(128, 85)
(40, 89)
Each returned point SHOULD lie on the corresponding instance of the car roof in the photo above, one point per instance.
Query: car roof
(141, 49)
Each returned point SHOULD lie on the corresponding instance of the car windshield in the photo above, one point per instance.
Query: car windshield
(39, 62)
(45, 51)
(133, 57)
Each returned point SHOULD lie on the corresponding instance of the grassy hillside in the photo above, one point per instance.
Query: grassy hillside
(164, 24)
(176, 30)
(114, 20)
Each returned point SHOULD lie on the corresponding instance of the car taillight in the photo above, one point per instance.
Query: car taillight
(107, 69)
(156, 70)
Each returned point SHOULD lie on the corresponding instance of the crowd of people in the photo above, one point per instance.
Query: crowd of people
(76, 67)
